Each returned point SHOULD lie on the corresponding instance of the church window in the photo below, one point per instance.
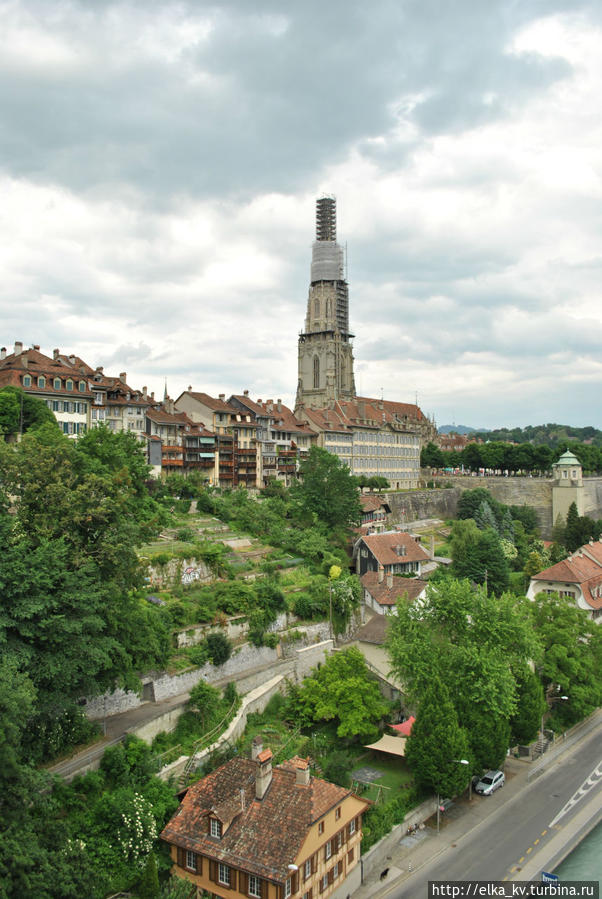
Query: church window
(316, 307)
(316, 372)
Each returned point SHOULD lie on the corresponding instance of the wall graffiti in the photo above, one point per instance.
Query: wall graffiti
(190, 574)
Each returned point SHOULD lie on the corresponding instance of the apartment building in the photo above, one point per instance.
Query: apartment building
(54, 380)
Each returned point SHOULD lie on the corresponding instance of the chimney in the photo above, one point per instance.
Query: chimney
(279, 405)
(144, 390)
(18, 347)
(71, 359)
(302, 772)
(242, 800)
(263, 778)
(55, 354)
(256, 747)
(123, 377)
(36, 347)
(153, 396)
(222, 397)
(245, 392)
(259, 402)
(3, 353)
(381, 574)
(99, 369)
(390, 581)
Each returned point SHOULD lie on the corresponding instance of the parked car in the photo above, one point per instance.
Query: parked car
(490, 782)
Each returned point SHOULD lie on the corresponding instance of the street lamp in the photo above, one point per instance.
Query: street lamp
(549, 701)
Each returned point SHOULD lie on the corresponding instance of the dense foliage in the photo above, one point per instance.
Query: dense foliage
(520, 458)
(475, 644)
(342, 690)
(68, 570)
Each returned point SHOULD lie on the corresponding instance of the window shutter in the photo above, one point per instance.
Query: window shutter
(321, 884)
(213, 870)
(295, 882)
(331, 875)
(233, 878)
(263, 888)
(311, 892)
(244, 882)
(181, 857)
(314, 863)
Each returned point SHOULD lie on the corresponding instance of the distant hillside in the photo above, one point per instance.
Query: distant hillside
(458, 429)
(548, 435)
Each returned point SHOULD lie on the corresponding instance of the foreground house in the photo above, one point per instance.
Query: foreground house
(578, 578)
(254, 830)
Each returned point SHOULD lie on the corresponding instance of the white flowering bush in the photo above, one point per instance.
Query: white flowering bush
(137, 831)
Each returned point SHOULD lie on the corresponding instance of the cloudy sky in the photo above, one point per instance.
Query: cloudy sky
(159, 165)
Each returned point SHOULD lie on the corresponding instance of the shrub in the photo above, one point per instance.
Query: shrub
(198, 655)
(218, 647)
(186, 535)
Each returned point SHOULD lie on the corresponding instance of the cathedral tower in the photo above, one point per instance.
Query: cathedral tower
(325, 352)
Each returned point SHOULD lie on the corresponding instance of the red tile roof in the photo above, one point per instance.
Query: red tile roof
(410, 588)
(384, 548)
(264, 836)
(583, 567)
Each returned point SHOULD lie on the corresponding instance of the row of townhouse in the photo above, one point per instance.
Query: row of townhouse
(231, 442)
(239, 442)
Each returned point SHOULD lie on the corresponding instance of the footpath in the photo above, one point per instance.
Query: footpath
(413, 851)
(117, 726)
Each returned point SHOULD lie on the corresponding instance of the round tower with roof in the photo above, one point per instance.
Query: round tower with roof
(568, 486)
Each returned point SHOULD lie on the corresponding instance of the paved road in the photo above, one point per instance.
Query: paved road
(509, 836)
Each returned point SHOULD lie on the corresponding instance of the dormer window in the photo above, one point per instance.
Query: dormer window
(69, 384)
(57, 383)
(41, 381)
(26, 380)
(82, 386)
(215, 828)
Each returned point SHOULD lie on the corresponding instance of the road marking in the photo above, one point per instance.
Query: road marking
(544, 832)
(521, 860)
(514, 869)
(594, 779)
(530, 849)
(536, 841)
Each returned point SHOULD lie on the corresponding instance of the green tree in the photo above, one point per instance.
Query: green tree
(438, 743)
(572, 660)
(148, 887)
(431, 456)
(30, 411)
(341, 690)
(219, 648)
(573, 532)
(327, 492)
(469, 641)
(530, 706)
(9, 413)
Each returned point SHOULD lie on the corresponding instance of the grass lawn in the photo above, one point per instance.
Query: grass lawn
(395, 775)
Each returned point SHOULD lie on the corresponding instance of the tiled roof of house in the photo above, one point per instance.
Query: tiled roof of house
(374, 631)
(583, 567)
(216, 405)
(384, 548)
(411, 588)
(371, 502)
(161, 416)
(265, 835)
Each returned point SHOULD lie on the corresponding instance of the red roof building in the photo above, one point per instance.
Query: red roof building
(577, 578)
(249, 829)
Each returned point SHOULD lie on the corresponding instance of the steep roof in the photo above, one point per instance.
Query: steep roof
(216, 405)
(265, 835)
(583, 567)
(371, 502)
(374, 631)
(410, 588)
(384, 548)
